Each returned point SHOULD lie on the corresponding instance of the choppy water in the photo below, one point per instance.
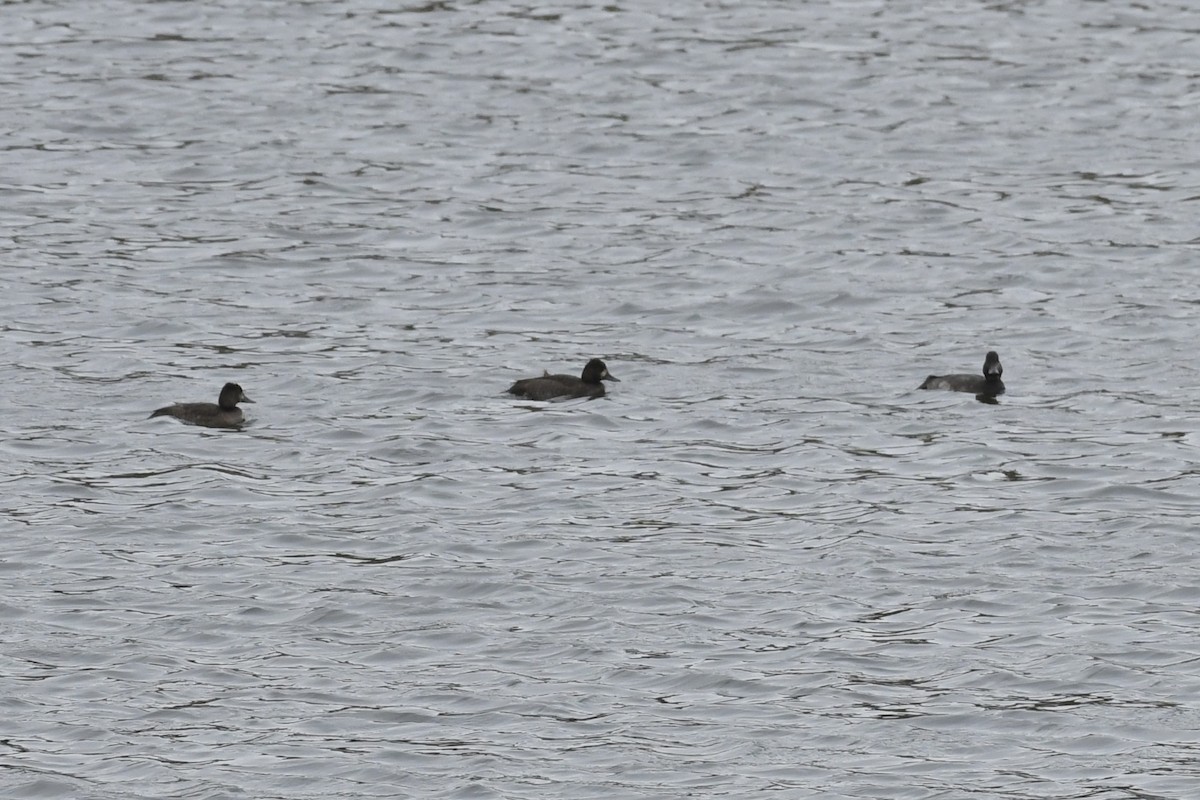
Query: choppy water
(764, 565)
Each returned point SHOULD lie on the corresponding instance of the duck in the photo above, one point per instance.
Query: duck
(222, 414)
(988, 384)
(550, 386)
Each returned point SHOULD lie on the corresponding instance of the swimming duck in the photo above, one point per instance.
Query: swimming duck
(222, 414)
(987, 384)
(550, 386)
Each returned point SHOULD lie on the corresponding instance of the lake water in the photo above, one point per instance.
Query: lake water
(764, 565)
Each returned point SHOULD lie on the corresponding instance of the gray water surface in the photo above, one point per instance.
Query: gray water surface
(764, 565)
